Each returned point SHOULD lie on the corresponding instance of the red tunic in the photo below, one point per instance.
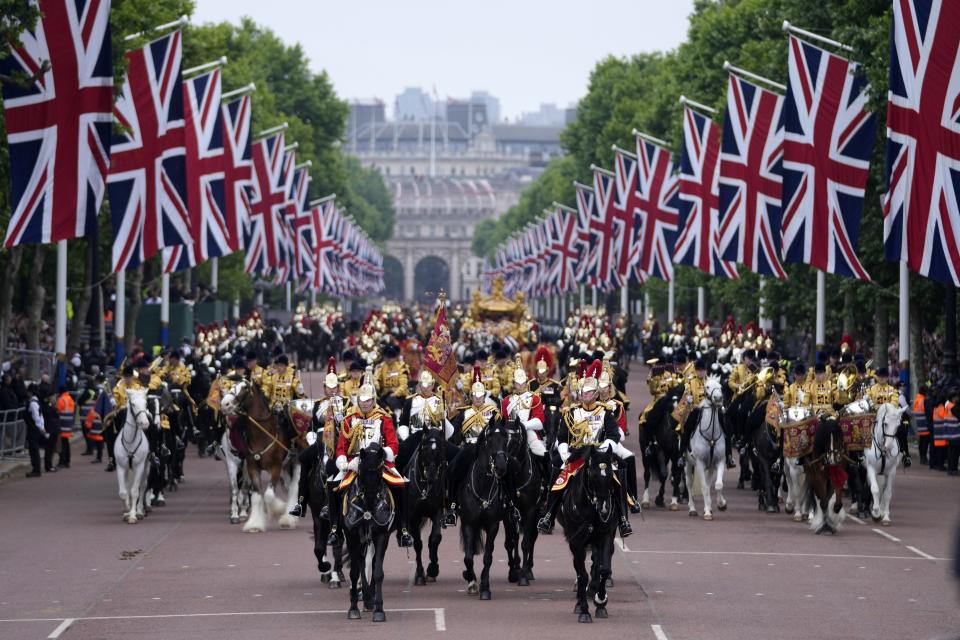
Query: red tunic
(388, 435)
(536, 408)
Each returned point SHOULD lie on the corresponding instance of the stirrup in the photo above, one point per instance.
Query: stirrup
(625, 529)
(334, 538)
(325, 512)
(297, 511)
(404, 539)
(544, 525)
(451, 519)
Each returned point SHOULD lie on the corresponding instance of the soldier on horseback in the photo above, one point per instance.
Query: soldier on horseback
(392, 377)
(587, 423)
(281, 386)
(885, 392)
(366, 424)
(330, 414)
(469, 422)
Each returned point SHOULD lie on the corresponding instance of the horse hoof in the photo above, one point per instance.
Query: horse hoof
(353, 614)
(674, 506)
(379, 616)
(645, 504)
(601, 612)
(234, 520)
(771, 509)
(692, 513)
(334, 584)
(368, 606)
(419, 580)
(885, 522)
(577, 608)
(708, 517)
(431, 578)
(788, 509)
(875, 518)
(797, 517)
(740, 484)
(722, 507)
(523, 582)
(472, 589)
(530, 575)
(484, 595)
(132, 520)
(324, 577)
(253, 530)
(659, 502)
(584, 617)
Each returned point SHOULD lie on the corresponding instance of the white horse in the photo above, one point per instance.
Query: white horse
(795, 475)
(881, 460)
(130, 451)
(708, 450)
(239, 493)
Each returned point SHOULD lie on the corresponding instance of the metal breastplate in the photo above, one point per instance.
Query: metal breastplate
(425, 412)
(587, 426)
(371, 432)
(519, 405)
(475, 421)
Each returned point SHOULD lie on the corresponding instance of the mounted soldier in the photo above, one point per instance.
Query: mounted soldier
(392, 379)
(885, 392)
(281, 386)
(423, 410)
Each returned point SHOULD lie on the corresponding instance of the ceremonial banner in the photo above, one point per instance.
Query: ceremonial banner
(798, 437)
(858, 431)
(438, 356)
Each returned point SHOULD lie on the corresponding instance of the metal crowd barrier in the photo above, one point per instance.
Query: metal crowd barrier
(13, 434)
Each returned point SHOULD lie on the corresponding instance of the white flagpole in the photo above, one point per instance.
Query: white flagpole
(165, 310)
(119, 315)
(624, 300)
(646, 303)
(563, 309)
(820, 333)
(60, 327)
(289, 296)
(670, 301)
(593, 297)
(701, 304)
(214, 273)
(762, 306)
(583, 296)
(904, 319)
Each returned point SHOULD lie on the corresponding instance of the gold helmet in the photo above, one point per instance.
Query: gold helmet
(519, 374)
(331, 380)
(367, 390)
(478, 387)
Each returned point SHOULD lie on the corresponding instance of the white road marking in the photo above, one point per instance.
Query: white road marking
(922, 554)
(881, 532)
(855, 519)
(439, 615)
(658, 632)
(620, 543)
(63, 626)
(788, 555)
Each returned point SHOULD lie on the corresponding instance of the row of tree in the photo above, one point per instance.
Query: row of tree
(288, 90)
(643, 92)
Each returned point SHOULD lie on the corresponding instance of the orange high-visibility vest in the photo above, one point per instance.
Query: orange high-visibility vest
(944, 424)
(66, 407)
(920, 416)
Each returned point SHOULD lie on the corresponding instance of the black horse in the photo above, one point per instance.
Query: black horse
(427, 473)
(481, 504)
(765, 456)
(736, 430)
(589, 520)
(369, 517)
(526, 483)
(660, 444)
(318, 497)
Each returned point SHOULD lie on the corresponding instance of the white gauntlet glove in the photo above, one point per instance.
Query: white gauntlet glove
(342, 463)
(564, 450)
(403, 432)
(354, 464)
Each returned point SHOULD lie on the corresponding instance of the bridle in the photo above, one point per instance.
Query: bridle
(133, 416)
(879, 442)
(591, 495)
(490, 472)
(419, 480)
(243, 389)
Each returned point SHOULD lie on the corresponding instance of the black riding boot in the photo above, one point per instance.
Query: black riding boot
(549, 514)
(336, 513)
(625, 528)
(904, 447)
(631, 472)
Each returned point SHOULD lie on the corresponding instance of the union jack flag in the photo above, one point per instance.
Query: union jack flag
(603, 231)
(626, 214)
(829, 136)
(921, 214)
(563, 246)
(301, 221)
(751, 178)
(58, 127)
(324, 247)
(657, 199)
(586, 241)
(147, 181)
(206, 167)
(698, 243)
(265, 241)
(238, 169)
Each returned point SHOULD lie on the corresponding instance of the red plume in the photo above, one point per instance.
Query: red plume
(477, 373)
(582, 369)
(543, 353)
(595, 369)
(331, 365)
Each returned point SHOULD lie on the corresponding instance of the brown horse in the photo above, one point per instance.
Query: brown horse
(826, 476)
(267, 449)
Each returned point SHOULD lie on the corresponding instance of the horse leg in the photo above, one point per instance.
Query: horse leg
(645, 500)
(719, 467)
(580, 567)
(489, 546)
(676, 477)
(530, 534)
(136, 495)
(603, 558)
(337, 575)
(257, 520)
(124, 491)
(874, 485)
(356, 564)
(469, 550)
(379, 551)
(705, 482)
(887, 495)
(662, 475)
(288, 521)
(511, 544)
(419, 577)
(688, 471)
(320, 547)
(433, 544)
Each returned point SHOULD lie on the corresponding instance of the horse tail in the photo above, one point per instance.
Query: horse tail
(478, 542)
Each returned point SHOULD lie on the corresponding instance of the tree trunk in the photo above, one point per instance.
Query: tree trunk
(6, 295)
(918, 369)
(881, 332)
(35, 308)
(82, 307)
(848, 320)
(134, 299)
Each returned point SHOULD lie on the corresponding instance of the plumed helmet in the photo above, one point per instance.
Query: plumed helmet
(590, 378)
(519, 374)
(544, 360)
(367, 389)
(478, 386)
(331, 380)
(426, 379)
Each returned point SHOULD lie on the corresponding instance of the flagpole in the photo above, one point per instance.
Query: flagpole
(119, 316)
(762, 306)
(701, 304)
(583, 296)
(214, 273)
(288, 288)
(60, 328)
(593, 297)
(820, 334)
(646, 303)
(670, 301)
(563, 309)
(624, 300)
(165, 309)
(904, 324)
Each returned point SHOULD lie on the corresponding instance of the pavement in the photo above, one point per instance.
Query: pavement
(70, 568)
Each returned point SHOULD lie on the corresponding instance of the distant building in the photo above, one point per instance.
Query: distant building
(413, 105)
(549, 115)
(364, 115)
(469, 115)
(492, 104)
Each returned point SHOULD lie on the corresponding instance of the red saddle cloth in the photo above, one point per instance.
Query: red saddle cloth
(236, 437)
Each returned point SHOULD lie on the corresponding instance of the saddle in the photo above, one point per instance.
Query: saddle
(354, 512)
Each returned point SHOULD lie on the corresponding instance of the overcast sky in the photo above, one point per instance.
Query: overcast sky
(525, 52)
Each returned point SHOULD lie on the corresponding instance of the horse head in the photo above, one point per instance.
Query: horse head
(230, 402)
(493, 444)
(137, 407)
(828, 442)
(370, 467)
(714, 390)
(598, 479)
(431, 455)
(887, 426)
